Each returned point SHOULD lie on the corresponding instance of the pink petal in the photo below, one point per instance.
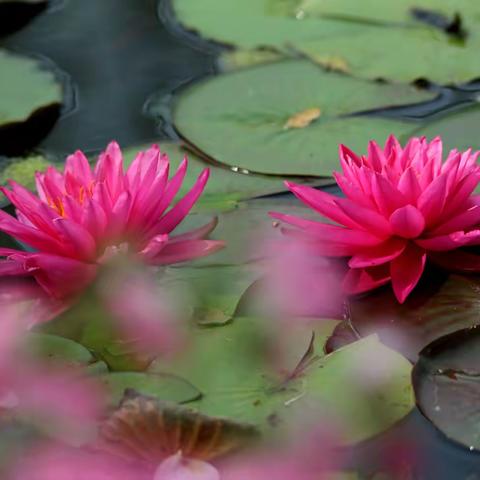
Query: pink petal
(360, 280)
(77, 165)
(12, 267)
(330, 233)
(432, 200)
(379, 255)
(176, 215)
(386, 196)
(322, 202)
(182, 251)
(442, 243)
(154, 247)
(462, 221)
(406, 271)
(198, 233)
(60, 277)
(369, 219)
(408, 185)
(77, 238)
(407, 222)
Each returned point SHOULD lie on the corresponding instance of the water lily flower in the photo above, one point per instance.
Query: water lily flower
(402, 206)
(81, 217)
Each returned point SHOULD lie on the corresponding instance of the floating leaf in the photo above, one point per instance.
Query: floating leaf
(437, 307)
(160, 385)
(27, 91)
(366, 386)
(58, 350)
(430, 39)
(167, 428)
(250, 109)
(447, 385)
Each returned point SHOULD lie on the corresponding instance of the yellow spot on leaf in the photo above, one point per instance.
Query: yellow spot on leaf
(332, 62)
(303, 119)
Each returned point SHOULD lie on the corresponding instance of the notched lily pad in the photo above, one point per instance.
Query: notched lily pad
(447, 385)
(352, 385)
(251, 110)
(30, 101)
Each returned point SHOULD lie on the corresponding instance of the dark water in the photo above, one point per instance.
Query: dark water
(116, 55)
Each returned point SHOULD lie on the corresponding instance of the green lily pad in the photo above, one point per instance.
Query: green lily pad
(56, 349)
(351, 385)
(401, 11)
(447, 386)
(432, 311)
(160, 385)
(225, 185)
(250, 23)
(419, 53)
(356, 35)
(254, 113)
(25, 87)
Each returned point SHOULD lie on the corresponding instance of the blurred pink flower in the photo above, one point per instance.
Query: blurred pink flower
(62, 401)
(57, 462)
(81, 217)
(142, 312)
(402, 206)
(299, 282)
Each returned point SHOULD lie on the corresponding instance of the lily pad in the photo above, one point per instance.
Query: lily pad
(30, 99)
(351, 385)
(251, 111)
(58, 350)
(419, 53)
(163, 386)
(447, 385)
(250, 23)
(225, 185)
(437, 307)
(430, 39)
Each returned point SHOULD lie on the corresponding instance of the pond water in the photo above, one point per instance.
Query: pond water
(116, 59)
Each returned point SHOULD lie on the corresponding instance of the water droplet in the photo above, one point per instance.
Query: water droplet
(300, 15)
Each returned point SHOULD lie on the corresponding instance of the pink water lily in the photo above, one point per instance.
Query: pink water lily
(402, 206)
(81, 217)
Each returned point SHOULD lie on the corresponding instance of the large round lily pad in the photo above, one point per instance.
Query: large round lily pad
(447, 385)
(287, 118)
(403, 41)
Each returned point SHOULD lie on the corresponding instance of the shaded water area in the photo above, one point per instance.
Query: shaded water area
(115, 56)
